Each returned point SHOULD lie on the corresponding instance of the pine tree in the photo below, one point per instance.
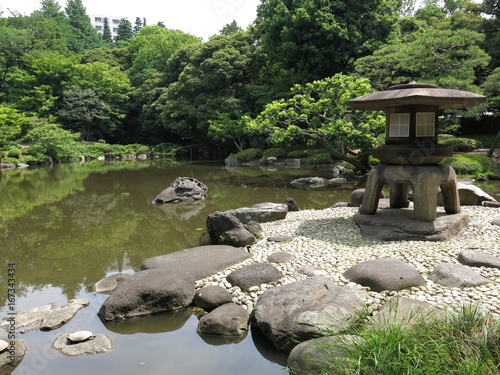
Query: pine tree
(125, 32)
(138, 25)
(106, 33)
(84, 35)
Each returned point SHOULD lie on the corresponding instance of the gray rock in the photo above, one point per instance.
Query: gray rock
(261, 212)
(183, 189)
(46, 317)
(211, 297)
(340, 205)
(253, 227)
(292, 205)
(385, 274)
(405, 311)
(280, 257)
(226, 320)
(315, 356)
(304, 310)
(280, 238)
(232, 162)
(357, 196)
(142, 157)
(496, 222)
(490, 204)
(254, 275)
(109, 283)
(95, 345)
(310, 182)
(7, 166)
(400, 225)
(22, 165)
(338, 181)
(198, 262)
(470, 195)
(456, 276)
(148, 292)
(225, 228)
(12, 356)
(476, 258)
(312, 271)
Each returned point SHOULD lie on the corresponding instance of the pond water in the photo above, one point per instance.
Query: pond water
(68, 226)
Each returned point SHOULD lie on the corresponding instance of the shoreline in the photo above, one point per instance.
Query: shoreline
(330, 240)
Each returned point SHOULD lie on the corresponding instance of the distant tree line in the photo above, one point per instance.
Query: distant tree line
(285, 79)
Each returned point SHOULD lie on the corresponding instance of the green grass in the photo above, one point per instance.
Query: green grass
(466, 342)
(469, 165)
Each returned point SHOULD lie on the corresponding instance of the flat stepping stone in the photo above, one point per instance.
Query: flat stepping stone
(211, 297)
(280, 238)
(280, 257)
(109, 283)
(385, 274)
(456, 276)
(12, 355)
(94, 345)
(254, 275)
(312, 271)
(405, 311)
(476, 258)
(261, 212)
(198, 262)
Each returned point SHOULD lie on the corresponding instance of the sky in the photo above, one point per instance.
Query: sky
(201, 18)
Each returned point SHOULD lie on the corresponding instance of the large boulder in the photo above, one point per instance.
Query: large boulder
(470, 195)
(385, 274)
(304, 310)
(456, 276)
(226, 320)
(225, 228)
(261, 212)
(198, 262)
(254, 275)
(148, 292)
(310, 182)
(183, 189)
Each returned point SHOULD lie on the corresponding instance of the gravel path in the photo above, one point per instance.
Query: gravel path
(330, 240)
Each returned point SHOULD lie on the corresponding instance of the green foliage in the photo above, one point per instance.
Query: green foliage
(14, 153)
(142, 150)
(10, 160)
(124, 33)
(472, 165)
(320, 158)
(225, 128)
(297, 154)
(319, 112)
(107, 149)
(52, 141)
(166, 150)
(460, 144)
(248, 154)
(83, 35)
(11, 125)
(274, 152)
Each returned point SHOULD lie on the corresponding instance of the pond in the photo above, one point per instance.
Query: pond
(68, 226)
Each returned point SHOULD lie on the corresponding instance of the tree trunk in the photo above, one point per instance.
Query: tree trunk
(493, 146)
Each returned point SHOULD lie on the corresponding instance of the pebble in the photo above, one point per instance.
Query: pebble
(330, 239)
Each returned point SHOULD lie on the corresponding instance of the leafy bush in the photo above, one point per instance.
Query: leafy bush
(320, 158)
(311, 152)
(248, 154)
(14, 153)
(461, 144)
(166, 149)
(274, 152)
(297, 154)
(107, 149)
(471, 165)
(142, 150)
(10, 160)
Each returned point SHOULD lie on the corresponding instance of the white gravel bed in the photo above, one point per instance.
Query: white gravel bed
(330, 239)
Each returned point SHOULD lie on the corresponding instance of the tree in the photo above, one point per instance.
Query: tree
(492, 90)
(83, 35)
(225, 128)
(316, 38)
(106, 33)
(11, 126)
(138, 25)
(14, 43)
(319, 112)
(124, 32)
(491, 28)
(230, 28)
(51, 140)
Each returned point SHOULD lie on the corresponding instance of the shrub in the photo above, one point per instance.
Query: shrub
(107, 149)
(297, 154)
(14, 153)
(320, 158)
(471, 165)
(10, 160)
(248, 154)
(166, 149)
(460, 144)
(276, 152)
(142, 150)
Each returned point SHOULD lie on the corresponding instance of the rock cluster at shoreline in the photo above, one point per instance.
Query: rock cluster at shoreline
(328, 242)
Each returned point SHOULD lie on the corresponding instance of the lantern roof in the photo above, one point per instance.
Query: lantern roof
(414, 93)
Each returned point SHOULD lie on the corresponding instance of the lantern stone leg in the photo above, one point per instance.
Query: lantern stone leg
(422, 180)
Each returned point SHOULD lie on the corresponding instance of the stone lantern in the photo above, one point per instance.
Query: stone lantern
(409, 159)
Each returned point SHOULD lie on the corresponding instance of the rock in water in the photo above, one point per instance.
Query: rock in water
(183, 189)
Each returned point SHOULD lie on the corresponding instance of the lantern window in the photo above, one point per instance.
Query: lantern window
(425, 124)
(399, 125)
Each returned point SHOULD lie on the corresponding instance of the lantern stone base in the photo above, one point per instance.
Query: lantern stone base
(422, 180)
(398, 225)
